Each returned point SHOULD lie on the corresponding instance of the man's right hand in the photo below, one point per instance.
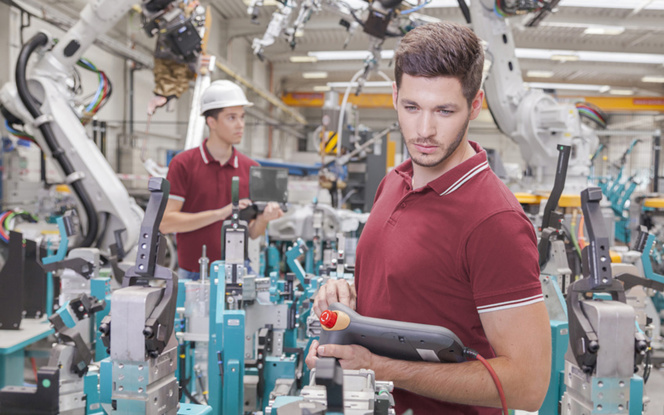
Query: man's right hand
(334, 291)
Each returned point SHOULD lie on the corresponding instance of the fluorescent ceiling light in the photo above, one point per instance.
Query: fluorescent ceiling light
(539, 74)
(604, 89)
(613, 4)
(564, 58)
(621, 92)
(604, 30)
(303, 59)
(377, 84)
(573, 87)
(314, 75)
(653, 79)
(348, 55)
(523, 53)
(265, 2)
(322, 88)
(648, 58)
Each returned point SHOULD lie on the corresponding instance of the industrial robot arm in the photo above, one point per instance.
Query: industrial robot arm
(41, 98)
(533, 119)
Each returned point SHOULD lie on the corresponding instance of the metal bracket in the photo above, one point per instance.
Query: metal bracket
(159, 325)
(549, 225)
(74, 177)
(584, 343)
(42, 119)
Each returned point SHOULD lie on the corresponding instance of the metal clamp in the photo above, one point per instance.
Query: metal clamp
(42, 119)
(74, 177)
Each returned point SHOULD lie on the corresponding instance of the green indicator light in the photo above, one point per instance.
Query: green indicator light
(46, 383)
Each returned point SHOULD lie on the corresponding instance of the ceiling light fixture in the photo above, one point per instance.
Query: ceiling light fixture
(303, 59)
(620, 57)
(572, 87)
(539, 74)
(322, 88)
(564, 58)
(523, 53)
(314, 75)
(348, 55)
(621, 92)
(266, 3)
(653, 79)
(604, 30)
(612, 4)
(376, 84)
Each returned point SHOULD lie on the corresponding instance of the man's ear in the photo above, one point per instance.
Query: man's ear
(476, 104)
(395, 94)
(210, 122)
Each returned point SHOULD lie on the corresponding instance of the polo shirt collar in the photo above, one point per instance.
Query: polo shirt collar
(207, 157)
(452, 179)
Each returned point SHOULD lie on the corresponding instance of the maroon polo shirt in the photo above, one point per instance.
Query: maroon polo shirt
(443, 254)
(202, 183)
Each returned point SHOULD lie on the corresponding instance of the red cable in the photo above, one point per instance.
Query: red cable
(472, 353)
(499, 386)
(34, 368)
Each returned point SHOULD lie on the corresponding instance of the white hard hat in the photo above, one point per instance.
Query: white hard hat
(223, 94)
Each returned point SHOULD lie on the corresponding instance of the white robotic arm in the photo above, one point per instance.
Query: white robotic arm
(533, 119)
(275, 28)
(42, 98)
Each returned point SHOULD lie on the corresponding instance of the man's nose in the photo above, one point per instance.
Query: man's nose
(426, 126)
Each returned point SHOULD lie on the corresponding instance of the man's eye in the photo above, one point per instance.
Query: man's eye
(410, 108)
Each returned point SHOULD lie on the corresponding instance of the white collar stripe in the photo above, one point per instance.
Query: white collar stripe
(474, 171)
(203, 153)
(236, 166)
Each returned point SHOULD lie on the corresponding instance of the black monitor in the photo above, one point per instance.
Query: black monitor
(268, 184)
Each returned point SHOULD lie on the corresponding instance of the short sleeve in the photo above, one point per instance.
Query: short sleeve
(501, 262)
(177, 177)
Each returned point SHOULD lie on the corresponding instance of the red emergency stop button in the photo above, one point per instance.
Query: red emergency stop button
(328, 318)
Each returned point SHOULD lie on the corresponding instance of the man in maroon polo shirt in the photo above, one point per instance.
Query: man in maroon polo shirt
(448, 244)
(200, 196)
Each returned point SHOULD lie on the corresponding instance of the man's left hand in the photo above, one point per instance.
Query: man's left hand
(272, 211)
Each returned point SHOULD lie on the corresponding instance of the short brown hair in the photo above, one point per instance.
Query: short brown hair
(442, 49)
(212, 113)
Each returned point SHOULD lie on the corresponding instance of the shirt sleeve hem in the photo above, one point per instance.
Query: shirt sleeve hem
(501, 301)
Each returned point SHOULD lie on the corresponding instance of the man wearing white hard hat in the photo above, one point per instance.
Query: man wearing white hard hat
(200, 196)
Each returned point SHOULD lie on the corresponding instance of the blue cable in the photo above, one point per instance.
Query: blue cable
(416, 8)
(94, 100)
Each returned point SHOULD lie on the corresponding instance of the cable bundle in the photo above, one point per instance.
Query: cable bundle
(6, 221)
(519, 7)
(592, 112)
(21, 135)
(102, 94)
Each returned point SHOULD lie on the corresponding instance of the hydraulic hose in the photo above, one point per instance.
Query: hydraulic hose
(40, 39)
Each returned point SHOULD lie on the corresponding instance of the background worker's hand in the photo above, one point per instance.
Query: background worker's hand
(272, 211)
(334, 291)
